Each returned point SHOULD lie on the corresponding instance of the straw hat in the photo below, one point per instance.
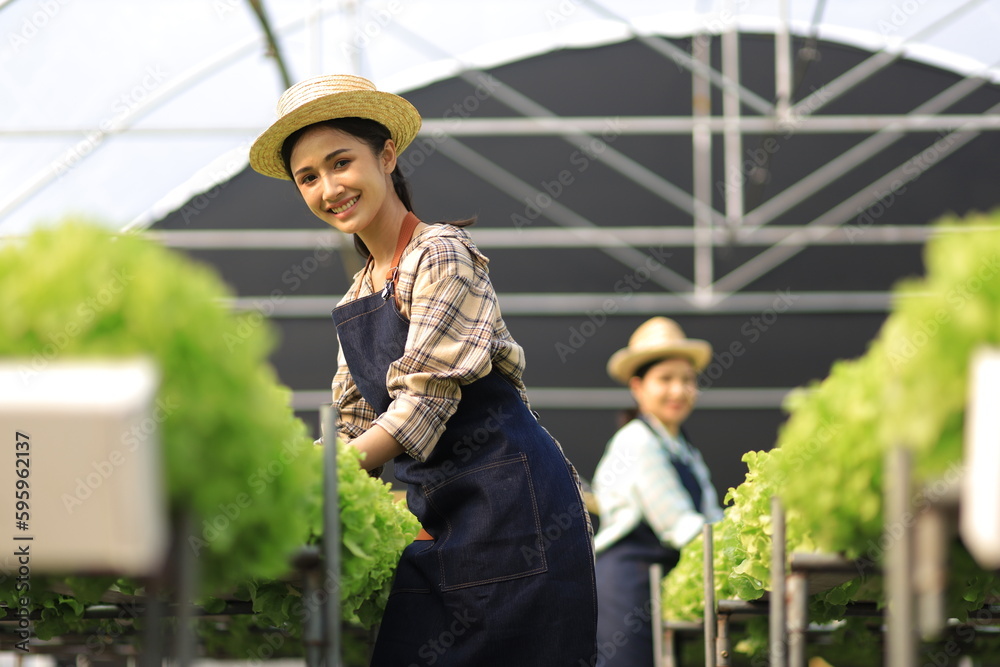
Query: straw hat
(326, 97)
(657, 338)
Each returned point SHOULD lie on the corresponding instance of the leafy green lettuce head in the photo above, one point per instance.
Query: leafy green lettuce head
(233, 451)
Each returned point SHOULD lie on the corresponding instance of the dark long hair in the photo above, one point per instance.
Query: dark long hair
(374, 134)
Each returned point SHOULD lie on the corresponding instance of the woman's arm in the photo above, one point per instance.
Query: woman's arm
(452, 311)
(665, 502)
(377, 446)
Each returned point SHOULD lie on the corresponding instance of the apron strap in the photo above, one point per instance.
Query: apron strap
(410, 223)
(684, 471)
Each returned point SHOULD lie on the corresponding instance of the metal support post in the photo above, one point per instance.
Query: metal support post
(709, 596)
(331, 537)
(656, 611)
(798, 618)
(701, 145)
(732, 136)
(153, 619)
(308, 561)
(932, 535)
(778, 635)
(669, 657)
(902, 636)
(186, 587)
(783, 63)
(723, 647)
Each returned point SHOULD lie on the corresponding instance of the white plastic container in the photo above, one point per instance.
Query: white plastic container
(979, 521)
(81, 488)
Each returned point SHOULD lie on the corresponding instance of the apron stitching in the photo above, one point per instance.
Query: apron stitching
(400, 315)
(543, 566)
(512, 458)
(538, 519)
(367, 312)
(495, 580)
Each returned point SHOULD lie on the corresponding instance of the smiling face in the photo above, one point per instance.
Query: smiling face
(667, 391)
(342, 181)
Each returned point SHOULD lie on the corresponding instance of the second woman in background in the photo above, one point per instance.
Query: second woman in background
(652, 486)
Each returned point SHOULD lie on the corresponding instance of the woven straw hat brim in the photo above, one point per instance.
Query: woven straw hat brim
(623, 363)
(399, 117)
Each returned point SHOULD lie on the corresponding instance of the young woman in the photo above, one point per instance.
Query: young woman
(429, 376)
(652, 487)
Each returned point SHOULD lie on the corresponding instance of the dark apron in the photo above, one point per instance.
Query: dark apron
(625, 624)
(508, 579)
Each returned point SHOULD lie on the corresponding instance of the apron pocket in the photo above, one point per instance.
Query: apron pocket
(415, 572)
(493, 527)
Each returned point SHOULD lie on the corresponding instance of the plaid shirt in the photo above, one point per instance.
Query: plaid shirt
(635, 480)
(456, 336)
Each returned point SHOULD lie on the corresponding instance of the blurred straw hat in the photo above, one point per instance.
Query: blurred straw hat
(657, 338)
(326, 97)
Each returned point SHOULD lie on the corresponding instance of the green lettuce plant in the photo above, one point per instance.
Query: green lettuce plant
(235, 458)
(909, 389)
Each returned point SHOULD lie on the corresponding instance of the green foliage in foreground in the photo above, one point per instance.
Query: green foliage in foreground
(375, 530)
(908, 389)
(229, 437)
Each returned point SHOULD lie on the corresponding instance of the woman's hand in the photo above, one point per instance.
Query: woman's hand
(377, 446)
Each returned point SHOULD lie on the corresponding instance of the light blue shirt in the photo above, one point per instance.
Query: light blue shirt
(635, 480)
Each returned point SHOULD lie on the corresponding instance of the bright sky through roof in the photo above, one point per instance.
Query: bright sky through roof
(121, 110)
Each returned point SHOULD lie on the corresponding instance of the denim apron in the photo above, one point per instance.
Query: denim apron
(625, 623)
(508, 578)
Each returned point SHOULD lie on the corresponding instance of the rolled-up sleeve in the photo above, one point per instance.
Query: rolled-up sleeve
(661, 495)
(453, 314)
